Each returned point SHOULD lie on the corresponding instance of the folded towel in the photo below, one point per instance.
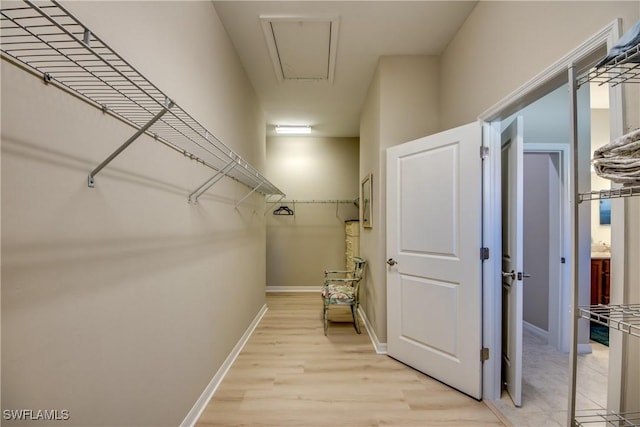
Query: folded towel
(630, 39)
(624, 171)
(619, 160)
(626, 145)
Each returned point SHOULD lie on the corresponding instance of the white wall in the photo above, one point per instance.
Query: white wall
(537, 168)
(546, 121)
(631, 383)
(120, 303)
(302, 246)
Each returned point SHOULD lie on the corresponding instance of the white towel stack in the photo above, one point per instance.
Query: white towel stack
(619, 160)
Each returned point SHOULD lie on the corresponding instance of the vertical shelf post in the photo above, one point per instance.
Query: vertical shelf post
(573, 346)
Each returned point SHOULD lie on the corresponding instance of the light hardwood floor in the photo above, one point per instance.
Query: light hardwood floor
(290, 374)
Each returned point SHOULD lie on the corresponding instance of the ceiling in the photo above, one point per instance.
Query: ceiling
(311, 62)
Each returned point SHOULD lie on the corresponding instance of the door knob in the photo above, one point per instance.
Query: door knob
(511, 274)
(391, 262)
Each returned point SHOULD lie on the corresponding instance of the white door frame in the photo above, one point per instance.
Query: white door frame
(559, 320)
(550, 79)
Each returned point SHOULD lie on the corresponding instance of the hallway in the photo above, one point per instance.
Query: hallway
(290, 374)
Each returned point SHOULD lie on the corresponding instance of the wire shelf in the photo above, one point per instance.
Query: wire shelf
(624, 68)
(591, 418)
(610, 194)
(47, 39)
(625, 318)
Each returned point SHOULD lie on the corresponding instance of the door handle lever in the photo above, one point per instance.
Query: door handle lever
(511, 274)
(391, 262)
(523, 276)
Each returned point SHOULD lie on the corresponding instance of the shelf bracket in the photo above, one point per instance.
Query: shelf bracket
(250, 193)
(167, 105)
(211, 181)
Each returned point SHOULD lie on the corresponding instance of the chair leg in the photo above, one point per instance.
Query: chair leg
(354, 312)
(325, 320)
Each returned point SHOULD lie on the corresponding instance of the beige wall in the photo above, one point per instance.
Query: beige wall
(120, 303)
(499, 48)
(301, 247)
(402, 105)
(374, 286)
(504, 44)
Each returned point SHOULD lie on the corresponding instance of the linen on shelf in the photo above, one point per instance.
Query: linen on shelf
(619, 160)
(629, 40)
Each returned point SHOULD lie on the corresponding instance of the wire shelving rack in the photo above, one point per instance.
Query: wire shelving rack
(48, 40)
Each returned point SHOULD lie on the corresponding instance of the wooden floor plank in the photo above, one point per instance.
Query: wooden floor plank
(291, 374)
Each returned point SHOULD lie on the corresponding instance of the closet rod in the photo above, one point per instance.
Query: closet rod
(271, 204)
(317, 201)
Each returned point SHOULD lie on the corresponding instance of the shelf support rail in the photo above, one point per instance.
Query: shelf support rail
(250, 193)
(167, 105)
(212, 181)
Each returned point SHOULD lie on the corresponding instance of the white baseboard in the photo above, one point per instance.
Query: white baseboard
(207, 394)
(294, 288)
(536, 330)
(379, 347)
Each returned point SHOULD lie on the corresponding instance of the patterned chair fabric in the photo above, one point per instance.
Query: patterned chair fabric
(341, 287)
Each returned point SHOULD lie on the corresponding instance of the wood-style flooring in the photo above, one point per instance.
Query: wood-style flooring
(290, 374)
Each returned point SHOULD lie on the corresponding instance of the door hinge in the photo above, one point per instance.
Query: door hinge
(484, 254)
(484, 152)
(484, 354)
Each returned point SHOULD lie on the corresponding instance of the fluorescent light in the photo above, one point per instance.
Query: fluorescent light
(293, 130)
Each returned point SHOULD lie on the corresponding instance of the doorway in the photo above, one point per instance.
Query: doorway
(546, 243)
(543, 84)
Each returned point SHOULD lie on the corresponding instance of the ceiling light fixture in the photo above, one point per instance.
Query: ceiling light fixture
(293, 130)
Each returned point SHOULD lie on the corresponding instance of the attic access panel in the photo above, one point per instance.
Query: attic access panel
(302, 48)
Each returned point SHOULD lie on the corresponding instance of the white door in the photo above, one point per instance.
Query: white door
(434, 291)
(512, 201)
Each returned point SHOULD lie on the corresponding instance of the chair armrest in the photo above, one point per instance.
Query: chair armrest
(339, 280)
(337, 271)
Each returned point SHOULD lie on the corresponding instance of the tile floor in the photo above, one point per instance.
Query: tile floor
(545, 379)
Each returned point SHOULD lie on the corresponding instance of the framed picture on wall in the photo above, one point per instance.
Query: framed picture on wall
(365, 206)
(605, 212)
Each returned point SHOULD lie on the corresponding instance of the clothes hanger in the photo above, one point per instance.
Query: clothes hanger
(283, 210)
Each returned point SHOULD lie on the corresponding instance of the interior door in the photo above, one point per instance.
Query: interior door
(434, 291)
(512, 275)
